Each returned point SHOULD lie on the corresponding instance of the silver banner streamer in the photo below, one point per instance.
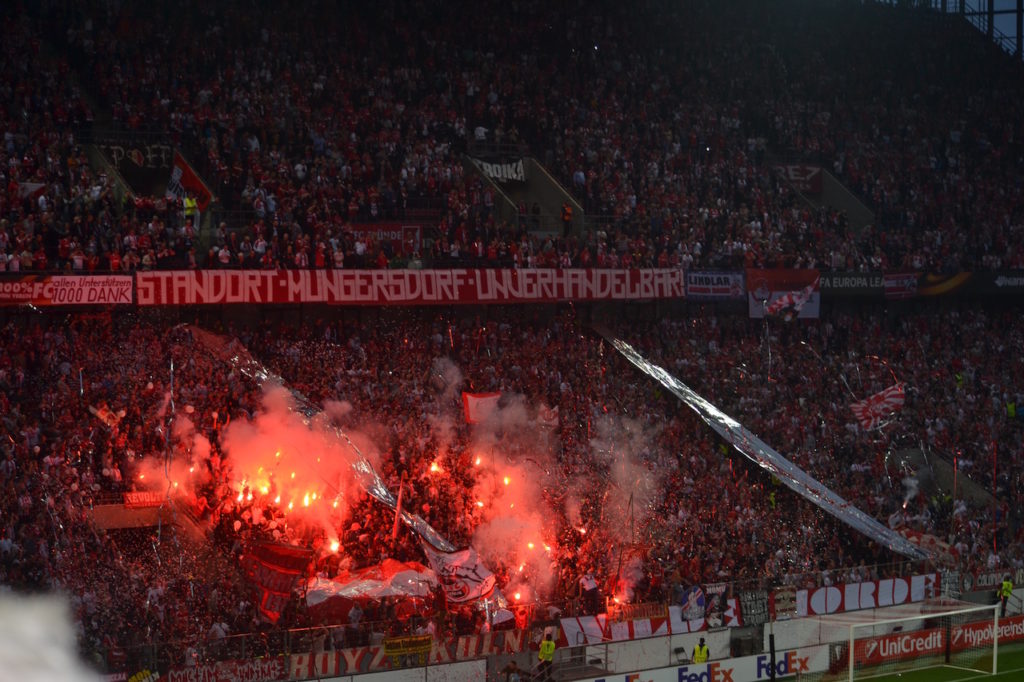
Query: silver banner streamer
(768, 459)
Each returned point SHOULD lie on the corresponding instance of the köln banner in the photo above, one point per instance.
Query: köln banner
(51, 290)
(404, 287)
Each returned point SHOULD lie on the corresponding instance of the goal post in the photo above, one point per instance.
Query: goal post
(943, 634)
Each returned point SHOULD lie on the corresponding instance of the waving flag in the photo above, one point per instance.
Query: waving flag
(462, 575)
(872, 410)
(547, 416)
(478, 406)
(790, 304)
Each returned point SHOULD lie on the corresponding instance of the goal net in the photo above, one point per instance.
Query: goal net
(944, 633)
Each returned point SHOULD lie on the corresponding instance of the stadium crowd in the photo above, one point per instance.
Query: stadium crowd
(665, 125)
(167, 585)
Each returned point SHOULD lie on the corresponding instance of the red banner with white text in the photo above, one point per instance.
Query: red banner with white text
(276, 570)
(51, 290)
(405, 287)
(918, 643)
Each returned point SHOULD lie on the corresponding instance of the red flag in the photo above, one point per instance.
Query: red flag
(872, 410)
(276, 569)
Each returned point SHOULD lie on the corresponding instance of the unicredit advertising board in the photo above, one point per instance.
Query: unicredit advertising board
(904, 645)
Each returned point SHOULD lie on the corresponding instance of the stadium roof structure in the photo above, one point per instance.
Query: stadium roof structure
(1002, 21)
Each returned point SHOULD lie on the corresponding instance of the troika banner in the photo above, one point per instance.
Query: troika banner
(72, 290)
(789, 293)
(768, 458)
(405, 287)
(513, 170)
(462, 575)
(714, 285)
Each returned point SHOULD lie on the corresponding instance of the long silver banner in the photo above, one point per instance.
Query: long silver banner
(767, 458)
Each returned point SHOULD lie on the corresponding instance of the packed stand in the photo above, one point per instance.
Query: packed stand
(661, 121)
(173, 586)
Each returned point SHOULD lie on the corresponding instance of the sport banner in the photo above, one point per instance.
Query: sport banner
(52, 290)
(714, 285)
(405, 287)
(787, 293)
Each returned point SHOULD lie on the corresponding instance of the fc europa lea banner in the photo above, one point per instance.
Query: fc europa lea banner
(405, 287)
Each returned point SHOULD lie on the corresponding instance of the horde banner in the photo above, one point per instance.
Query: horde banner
(405, 287)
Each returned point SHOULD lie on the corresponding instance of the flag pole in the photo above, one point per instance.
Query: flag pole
(398, 511)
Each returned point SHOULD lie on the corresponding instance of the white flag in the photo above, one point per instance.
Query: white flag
(462, 575)
(479, 406)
